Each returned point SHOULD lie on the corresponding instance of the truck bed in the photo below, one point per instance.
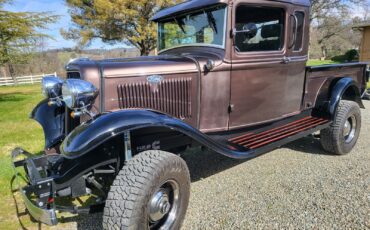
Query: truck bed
(319, 80)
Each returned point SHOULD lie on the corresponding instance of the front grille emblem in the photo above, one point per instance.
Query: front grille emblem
(154, 82)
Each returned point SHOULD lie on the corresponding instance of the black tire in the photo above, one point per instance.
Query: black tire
(367, 95)
(128, 202)
(334, 139)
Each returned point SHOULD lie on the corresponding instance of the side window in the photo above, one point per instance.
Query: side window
(259, 29)
(300, 31)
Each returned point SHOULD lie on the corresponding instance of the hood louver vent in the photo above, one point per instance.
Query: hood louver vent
(171, 96)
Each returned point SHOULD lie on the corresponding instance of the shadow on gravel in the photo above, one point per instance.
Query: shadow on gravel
(85, 221)
(308, 145)
(202, 164)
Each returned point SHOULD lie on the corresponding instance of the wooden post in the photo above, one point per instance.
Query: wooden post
(365, 45)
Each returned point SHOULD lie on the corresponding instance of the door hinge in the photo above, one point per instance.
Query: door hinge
(231, 108)
(232, 33)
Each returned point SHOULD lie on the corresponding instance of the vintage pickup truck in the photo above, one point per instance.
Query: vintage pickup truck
(231, 76)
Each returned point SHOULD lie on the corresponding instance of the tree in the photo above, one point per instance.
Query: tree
(113, 21)
(325, 8)
(331, 24)
(19, 34)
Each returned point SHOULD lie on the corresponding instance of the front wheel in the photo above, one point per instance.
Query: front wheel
(150, 192)
(342, 135)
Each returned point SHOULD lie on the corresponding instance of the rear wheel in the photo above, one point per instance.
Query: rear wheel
(151, 192)
(342, 135)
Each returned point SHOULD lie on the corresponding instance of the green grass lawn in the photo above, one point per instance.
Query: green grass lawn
(16, 129)
(319, 62)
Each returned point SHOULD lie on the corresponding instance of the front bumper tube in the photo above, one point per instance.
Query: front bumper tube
(36, 184)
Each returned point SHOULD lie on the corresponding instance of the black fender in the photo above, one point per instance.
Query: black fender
(345, 88)
(51, 118)
(90, 135)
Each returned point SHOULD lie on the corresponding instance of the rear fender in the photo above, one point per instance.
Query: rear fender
(92, 134)
(51, 118)
(346, 88)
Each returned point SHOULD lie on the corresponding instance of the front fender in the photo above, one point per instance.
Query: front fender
(51, 118)
(90, 135)
(339, 90)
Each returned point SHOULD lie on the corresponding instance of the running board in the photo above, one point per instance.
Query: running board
(267, 140)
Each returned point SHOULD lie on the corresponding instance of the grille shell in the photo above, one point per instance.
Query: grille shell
(171, 96)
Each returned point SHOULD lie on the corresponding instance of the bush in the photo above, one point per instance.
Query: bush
(339, 58)
(349, 56)
(352, 55)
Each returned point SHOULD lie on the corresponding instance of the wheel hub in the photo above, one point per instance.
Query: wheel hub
(159, 205)
(163, 207)
(349, 130)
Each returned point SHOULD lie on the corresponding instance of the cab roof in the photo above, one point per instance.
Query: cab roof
(191, 5)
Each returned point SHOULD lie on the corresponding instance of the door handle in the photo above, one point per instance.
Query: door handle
(286, 60)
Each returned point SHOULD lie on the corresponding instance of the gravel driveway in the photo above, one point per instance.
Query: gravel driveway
(297, 186)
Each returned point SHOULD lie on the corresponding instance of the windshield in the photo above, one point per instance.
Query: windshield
(205, 27)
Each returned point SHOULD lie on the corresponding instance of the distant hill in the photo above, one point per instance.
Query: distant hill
(54, 60)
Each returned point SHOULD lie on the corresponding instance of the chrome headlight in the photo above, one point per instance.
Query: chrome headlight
(52, 87)
(78, 93)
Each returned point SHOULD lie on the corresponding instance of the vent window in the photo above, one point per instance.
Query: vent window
(300, 30)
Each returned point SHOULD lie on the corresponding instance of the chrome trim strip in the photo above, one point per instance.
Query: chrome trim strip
(192, 45)
(150, 73)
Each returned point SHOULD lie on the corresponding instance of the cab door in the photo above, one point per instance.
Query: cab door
(263, 88)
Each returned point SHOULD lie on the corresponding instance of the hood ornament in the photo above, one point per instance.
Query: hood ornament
(154, 82)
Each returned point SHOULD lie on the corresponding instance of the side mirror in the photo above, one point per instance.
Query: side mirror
(209, 65)
(248, 31)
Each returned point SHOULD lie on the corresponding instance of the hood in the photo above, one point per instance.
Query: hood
(182, 60)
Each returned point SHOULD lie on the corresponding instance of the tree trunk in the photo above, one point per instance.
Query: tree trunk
(144, 50)
(12, 73)
(324, 53)
(3, 72)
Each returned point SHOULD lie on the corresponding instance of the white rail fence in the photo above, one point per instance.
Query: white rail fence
(24, 80)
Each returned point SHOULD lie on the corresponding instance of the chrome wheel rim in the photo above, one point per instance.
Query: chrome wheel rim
(164, 205)
(349, 130)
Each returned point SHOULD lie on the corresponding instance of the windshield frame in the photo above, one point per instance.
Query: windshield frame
(223, 46)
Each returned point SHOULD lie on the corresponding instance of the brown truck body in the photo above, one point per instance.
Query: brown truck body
(242, 90)
(245, 68)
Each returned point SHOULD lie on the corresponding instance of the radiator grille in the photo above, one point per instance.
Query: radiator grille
(171, 96)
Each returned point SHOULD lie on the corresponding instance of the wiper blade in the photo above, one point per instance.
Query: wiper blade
(212, 21)
(180, 24)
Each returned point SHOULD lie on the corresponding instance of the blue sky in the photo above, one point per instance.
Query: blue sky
(57, 7)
